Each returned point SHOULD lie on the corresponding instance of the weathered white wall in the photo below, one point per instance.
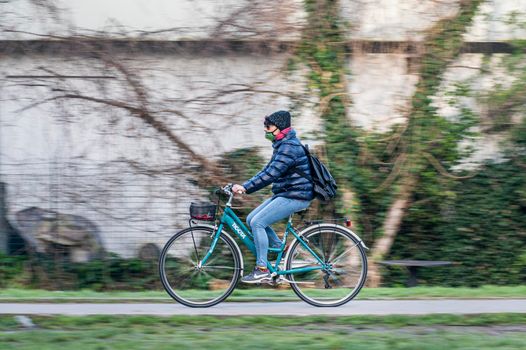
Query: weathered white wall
(77, 161)
(380, 88)
(492, 23)
(381, 84)
(154, 19)
(36, 145)
(467, 71)
(394, 19)
(72, 148)
(408, 19)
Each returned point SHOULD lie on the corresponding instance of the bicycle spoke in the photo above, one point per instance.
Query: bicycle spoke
(187, 259)
(184, 277)
(337, 247)
(203, 286)
(344, 253)
(315, 250)
(195, 247)
(221, 267)
(211, 260)
(330, 245)
(309, 259)
(337, 280)
(203, 271)
(341, 282)
(303, 266)
(322, 248)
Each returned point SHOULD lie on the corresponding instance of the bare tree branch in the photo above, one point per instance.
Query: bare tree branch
(442, 170)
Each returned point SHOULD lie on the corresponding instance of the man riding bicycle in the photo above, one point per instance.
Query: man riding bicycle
(292, 192)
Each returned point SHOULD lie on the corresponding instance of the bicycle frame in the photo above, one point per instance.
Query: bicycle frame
(230, 219)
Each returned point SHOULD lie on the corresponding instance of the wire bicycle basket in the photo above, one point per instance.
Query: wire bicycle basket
(203, 211)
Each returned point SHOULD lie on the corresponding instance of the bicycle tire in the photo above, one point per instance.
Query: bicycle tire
(225, 241)
(308, 234)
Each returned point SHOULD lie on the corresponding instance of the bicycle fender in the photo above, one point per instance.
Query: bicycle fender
(329, 225)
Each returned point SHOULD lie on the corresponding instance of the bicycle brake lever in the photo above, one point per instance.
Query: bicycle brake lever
(227, 189)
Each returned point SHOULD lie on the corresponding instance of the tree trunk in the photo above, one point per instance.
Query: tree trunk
(390, 229)
(438, 55)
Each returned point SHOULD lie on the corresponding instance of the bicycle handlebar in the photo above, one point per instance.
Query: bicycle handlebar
(227, 189)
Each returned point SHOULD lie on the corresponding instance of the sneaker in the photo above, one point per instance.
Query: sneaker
(257, 276)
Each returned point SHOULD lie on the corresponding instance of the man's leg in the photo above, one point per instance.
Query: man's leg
(253, 213)
(256, 210)
(276, 210)
(273, 239)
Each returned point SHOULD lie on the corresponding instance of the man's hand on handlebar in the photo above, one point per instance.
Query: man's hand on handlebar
(238, 189)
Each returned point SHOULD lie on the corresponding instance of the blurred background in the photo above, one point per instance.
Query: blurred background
(116, 115)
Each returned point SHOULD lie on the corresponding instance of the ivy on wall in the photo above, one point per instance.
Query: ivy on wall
(449, 213)
(479, 222)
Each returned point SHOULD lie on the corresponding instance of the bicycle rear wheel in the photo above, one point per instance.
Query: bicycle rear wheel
(199, 286)
(337, 284)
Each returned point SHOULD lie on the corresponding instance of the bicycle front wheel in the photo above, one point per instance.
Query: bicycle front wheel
(344, 257)
(199, 286)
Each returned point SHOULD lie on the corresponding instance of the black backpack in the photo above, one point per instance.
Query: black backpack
(324, 184)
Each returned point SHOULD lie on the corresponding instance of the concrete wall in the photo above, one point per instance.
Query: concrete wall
(382, 84)
(467, 71)
(408, 19)
(492, 23)
(394, 19)
(74, 156)
(154, 19)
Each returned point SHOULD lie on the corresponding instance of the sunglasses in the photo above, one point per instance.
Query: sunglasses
(267, 123)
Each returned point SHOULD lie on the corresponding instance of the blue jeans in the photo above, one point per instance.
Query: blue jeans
(267, 213)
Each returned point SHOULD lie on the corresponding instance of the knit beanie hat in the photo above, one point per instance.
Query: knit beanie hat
(280, 118)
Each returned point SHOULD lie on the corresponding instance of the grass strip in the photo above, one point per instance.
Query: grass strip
(80, 322)
(487, 331)
(257, 338)
(259, 294)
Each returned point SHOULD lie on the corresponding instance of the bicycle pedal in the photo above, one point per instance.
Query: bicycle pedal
(277, 280)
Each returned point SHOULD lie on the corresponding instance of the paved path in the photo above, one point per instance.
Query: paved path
(356, 307)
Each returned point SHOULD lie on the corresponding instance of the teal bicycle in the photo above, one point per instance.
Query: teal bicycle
(200, 266)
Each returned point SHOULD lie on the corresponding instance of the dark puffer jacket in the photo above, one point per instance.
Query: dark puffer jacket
(288, 155)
